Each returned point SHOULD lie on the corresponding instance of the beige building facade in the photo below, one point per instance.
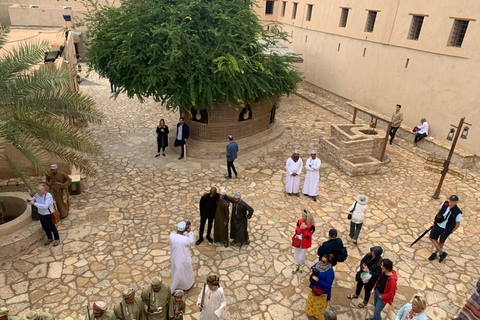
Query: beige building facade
(424, 55)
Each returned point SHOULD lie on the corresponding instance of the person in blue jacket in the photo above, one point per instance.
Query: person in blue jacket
(322, 277)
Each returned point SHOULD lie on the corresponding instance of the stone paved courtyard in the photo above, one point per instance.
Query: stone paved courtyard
(117, 232)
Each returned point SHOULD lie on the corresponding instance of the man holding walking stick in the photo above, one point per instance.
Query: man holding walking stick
(100, 312)
(158, 300)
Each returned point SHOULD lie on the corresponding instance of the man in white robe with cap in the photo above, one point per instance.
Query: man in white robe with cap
(310, 185)
(181, 261)
(294, 168)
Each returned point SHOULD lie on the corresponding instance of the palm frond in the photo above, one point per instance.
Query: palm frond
(20, 171)
(3, 35)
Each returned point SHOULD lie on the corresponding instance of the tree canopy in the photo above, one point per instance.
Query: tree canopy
(35, 108)
(187, 52)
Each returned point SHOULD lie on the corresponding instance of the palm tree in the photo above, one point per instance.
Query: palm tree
(36, 109)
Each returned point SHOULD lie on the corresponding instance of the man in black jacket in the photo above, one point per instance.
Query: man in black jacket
(183, 132)
(334, 246)
(208, 205)
(452, 216)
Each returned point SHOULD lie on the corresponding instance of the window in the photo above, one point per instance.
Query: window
(269, 7)
(458, 33)
(372, 16)
(284, 7)
(417, 22)
(294, 11)
(344, 17)
(309, 12)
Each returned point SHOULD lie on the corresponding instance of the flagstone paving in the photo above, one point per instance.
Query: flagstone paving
(117, 233)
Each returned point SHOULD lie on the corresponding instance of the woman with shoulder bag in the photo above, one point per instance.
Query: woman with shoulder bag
(321, 282)
(302, 239)
(162, 137)
(370, 270)
(358, 210)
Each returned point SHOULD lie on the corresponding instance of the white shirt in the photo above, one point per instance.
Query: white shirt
(179, 132)
(214, 304)
(358, 215)
(444, 223)
(43, 203)
(423, 128)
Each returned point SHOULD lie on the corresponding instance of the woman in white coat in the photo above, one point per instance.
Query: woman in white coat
(358, 210)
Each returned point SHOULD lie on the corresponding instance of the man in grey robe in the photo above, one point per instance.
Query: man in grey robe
(4, 314)
(241, 212)
(100, 312)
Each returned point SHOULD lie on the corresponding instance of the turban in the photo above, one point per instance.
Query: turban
(32, 315)
(156, 282)
(223, 192)
(53, 166)
(213, 280)
(313, 152)
(128, 293)
(181, 226)
(237, 195)
(178, 293)
(99, 306)
(3, 312)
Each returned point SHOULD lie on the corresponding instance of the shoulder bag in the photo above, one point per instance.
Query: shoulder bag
(349, 217)
(317, 291)
(55, 215)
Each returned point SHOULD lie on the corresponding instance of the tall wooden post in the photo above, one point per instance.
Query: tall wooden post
(447, 162)
(384, 147)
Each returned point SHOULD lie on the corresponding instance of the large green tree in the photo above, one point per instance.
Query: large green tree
(188, 52)
(36, 109)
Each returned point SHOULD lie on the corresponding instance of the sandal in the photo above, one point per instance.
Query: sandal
(352, 296)
(362, 304)
(226, 245)
(247, 242)
(233, 243)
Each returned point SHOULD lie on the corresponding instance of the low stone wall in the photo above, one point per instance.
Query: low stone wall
(356, 166)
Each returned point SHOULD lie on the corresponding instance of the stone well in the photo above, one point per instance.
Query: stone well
(353, 148)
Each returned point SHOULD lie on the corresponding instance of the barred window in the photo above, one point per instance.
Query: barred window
(344, 17)
(458, 33)
(284, 7)
(294, 11)
(372, 16)
(269, 7)
(415, 27)
(309, 12)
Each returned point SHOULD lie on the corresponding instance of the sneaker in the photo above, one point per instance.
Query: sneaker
(300, 269)
(48, 242)
(228, 177)
(433, 257)
(56, 243)
(210, 239)
(295, 269)
(443, 256)
(199, 241)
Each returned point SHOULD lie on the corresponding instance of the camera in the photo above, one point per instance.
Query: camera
(187, 224)
(315, 273)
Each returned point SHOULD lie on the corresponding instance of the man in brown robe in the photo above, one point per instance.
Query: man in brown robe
(220, 231)
(59, 182)
(241, 212)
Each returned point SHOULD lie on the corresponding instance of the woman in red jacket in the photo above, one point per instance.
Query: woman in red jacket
(304, 230)
(385, 289)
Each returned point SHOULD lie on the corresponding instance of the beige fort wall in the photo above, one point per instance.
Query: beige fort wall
(440, 82)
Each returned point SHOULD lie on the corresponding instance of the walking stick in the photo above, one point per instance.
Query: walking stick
(203, 295)
(149, 299)
(123, 314)
(88, 312)
(185, 151)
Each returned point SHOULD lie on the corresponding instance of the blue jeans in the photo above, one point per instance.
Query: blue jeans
(379, 305)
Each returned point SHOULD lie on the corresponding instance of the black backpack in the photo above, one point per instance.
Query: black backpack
(343, 255)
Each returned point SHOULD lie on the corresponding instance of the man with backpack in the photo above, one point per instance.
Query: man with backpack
(446, 222)
(334, 246)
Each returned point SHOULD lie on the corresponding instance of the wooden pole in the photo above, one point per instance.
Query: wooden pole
(354, 114)
(384, 147)
(447, 162)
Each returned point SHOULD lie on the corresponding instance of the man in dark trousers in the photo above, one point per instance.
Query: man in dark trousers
(334, 246)
(208, 206)
(183, 132)
(452, 216)
(232, 149)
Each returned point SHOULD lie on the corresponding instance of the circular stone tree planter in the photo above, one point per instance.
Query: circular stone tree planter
(240, 121)
(20, 232)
